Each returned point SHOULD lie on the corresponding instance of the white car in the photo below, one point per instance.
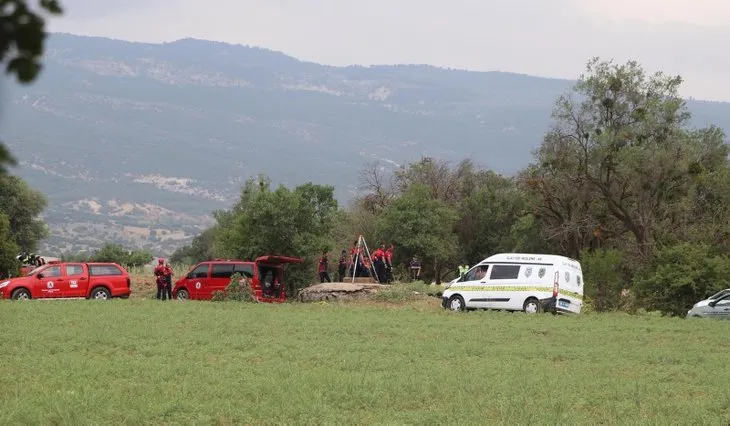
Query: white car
(715, 306)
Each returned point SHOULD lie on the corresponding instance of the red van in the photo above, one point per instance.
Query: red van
(266, 274)
(69, 280)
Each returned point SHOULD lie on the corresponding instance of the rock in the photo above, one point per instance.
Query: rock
(337, 291)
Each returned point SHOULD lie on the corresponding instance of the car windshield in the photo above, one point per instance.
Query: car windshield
(720, 294)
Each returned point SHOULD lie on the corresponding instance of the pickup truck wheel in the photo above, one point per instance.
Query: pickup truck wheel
(100, 293)
(20, 294)
(182, 294)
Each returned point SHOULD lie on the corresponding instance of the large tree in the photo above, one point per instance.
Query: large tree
(22, 206)
(621, 158)
(420, 224)
(283, 221)
(8, 249)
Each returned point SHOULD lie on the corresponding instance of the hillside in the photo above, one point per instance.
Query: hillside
(138, 143)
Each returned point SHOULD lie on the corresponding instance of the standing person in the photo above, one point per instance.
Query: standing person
(324, 267)
(354, 271)
(379, 263)
(389, 264)
(168, 281)
(463, 269)
(160, 278)
(342, 267)
(415, 266)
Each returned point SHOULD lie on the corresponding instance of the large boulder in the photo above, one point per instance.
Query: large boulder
(338, 291)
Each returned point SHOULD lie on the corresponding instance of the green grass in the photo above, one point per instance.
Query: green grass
(142, 361)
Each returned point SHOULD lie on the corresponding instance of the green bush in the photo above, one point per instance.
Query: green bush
(238, 290)
(605, 276)
(118, 254)
(680, 276)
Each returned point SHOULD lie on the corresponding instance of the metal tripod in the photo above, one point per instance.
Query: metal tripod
(360, 244)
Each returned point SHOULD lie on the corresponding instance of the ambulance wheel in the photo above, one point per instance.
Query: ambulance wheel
(182, 294)
(20, 294)
(456, 303)
(532, 306)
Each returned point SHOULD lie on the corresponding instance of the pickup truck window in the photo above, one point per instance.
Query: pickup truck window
(95, 270)
(53, 271)
(74, 270)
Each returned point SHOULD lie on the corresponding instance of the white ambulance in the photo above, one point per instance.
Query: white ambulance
(519, 282)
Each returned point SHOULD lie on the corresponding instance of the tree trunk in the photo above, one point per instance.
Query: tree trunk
(437, 270)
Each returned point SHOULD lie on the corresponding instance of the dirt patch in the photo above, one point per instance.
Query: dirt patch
(338, 291)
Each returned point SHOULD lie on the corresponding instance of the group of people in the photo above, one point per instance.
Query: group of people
(359, 264)
(163, 278)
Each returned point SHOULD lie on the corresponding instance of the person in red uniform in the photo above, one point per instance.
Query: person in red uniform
(366, 269)
(379, 263)
(168, 282)
(160, 278)
(324, 267)
(389, 264)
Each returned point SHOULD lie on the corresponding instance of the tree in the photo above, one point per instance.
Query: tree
(285, 222)
(22, 39)
(443, 182)
(22, 206)
(379, 188)
(489, 214)
(422, 225)
(681, 275)
(619, 156)
(8, 249)
(118, 254)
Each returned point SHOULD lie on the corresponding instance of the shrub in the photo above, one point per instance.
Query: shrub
(604, 275)
(680, 276)
(238, 290)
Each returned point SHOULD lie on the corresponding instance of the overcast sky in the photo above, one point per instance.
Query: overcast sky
(552, 38)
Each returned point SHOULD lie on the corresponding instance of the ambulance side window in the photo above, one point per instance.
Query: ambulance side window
(505, 272)
(476, 273)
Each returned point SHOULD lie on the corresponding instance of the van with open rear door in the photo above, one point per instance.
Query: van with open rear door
(266, 275)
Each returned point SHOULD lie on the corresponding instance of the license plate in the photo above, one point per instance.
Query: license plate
(563, 304)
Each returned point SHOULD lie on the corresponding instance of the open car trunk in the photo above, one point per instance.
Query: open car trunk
(270, 277)
(278, 260)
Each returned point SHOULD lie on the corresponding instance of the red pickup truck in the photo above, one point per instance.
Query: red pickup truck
(69, 280)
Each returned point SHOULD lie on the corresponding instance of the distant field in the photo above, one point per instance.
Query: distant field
(144, 361)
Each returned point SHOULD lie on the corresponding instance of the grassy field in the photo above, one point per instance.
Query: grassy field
(145, 361)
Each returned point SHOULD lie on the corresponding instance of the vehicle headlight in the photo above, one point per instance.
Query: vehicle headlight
(4, 284)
